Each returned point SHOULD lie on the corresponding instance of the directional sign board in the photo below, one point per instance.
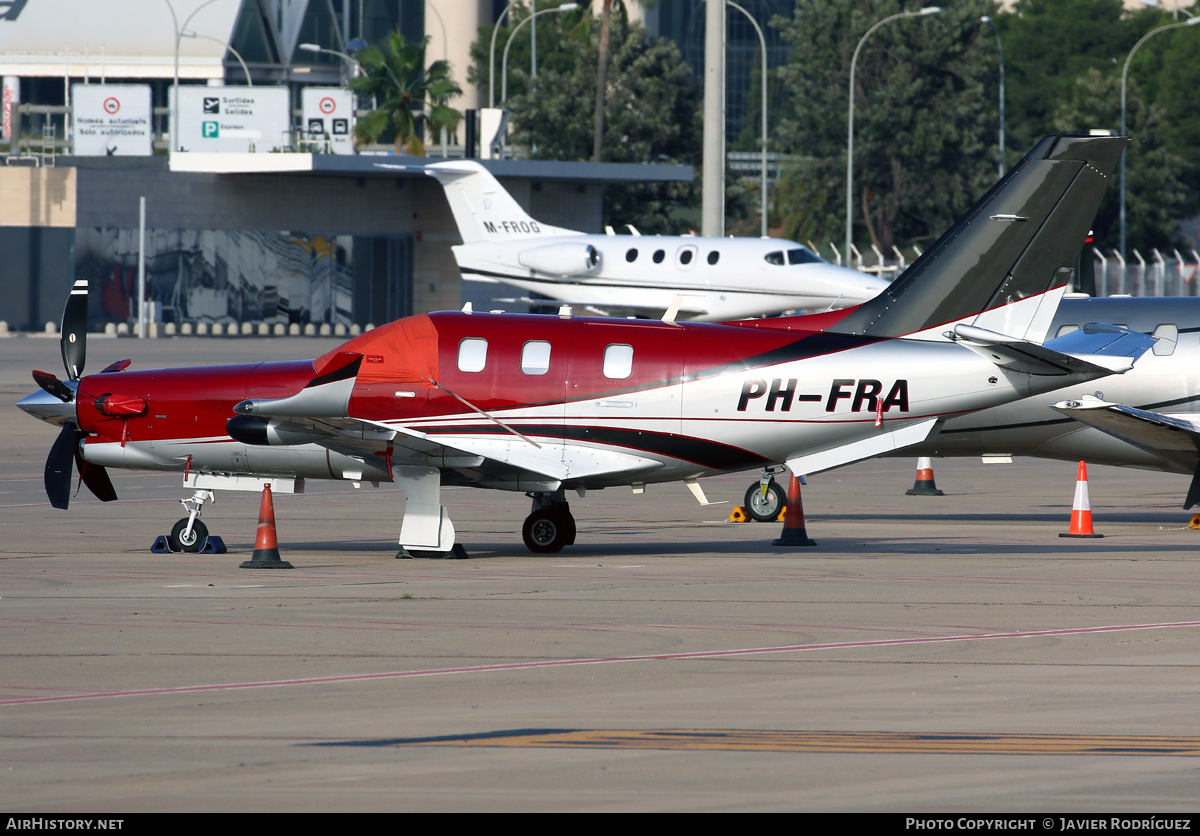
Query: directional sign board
(328, 114)
(111, 119)
(233, 118)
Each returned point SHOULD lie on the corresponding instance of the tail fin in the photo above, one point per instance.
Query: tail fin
(483, 210)
(1005, 263)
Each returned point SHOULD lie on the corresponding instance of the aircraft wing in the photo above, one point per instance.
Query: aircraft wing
(1173, 438)
(875, 444)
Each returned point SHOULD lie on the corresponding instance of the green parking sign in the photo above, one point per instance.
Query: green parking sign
(209, 130)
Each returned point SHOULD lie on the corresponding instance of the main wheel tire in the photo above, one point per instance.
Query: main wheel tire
(765, 508)
(180, 543)
(546, 532)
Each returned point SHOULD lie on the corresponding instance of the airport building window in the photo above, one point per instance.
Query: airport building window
(618, 361)
(472, 354)
(631, 255)
(659, 255)
(535, 357)
(775, 257)
(1168, 336)
(714, 257)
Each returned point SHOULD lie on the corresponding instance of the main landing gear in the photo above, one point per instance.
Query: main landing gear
(550, 525)
(765, 498)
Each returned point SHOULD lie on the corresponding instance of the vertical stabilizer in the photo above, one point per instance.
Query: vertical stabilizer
(482, 208)
(1005, 263)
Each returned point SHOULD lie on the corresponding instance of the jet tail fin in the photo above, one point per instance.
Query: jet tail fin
(1003, 265)
(483, 209)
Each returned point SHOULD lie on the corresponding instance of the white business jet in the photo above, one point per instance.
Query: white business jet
(720, 279)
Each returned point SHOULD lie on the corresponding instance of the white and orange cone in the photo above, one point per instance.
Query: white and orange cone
(266, 546)
(1081, 510)
(924, 484)
(794, 533)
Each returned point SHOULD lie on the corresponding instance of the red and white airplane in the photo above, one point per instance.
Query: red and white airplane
(549, 404)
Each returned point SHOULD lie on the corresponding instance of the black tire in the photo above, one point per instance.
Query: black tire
(199, 535)
(765, 508)
(546, 532)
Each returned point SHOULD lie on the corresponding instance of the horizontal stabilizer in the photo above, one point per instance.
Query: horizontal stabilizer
(876, 444)
(1094, 350)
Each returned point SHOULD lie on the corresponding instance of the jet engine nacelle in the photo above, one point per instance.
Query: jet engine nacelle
(570, 258)
(270, 433)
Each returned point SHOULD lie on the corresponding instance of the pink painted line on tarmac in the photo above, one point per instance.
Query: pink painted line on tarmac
(601, 660)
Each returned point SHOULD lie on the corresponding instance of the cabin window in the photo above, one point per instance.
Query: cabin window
(1168, 336)
(631, 255)
(618, 361)
(535, 357)
(685, 256)
(714, 257)
(775, 257)
(1063, 330)
(659, 255)
(802, 255)
(472, 354)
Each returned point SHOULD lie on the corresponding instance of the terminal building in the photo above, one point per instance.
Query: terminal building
(274, 228)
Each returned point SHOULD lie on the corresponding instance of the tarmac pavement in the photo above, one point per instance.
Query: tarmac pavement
(930, 654)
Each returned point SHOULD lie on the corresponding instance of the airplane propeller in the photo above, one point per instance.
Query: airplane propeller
(73, 346)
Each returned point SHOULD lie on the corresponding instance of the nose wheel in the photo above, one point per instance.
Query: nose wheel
(188, 535)
(551, 526)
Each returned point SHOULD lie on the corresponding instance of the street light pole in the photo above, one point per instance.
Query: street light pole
(762, 41)
(1124, 76)
(492, 55)
(173, 114)
(564, 8)
(928, 10)
(188, 33)
(1000, 47)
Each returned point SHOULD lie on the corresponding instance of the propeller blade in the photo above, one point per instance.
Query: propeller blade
(73, 342)
(53, 386)
(96, 478)
(58, 468)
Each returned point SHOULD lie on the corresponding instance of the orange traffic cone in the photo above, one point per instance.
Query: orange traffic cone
(1081, 511)
(793, 519)
(924, 484)
(266, 548)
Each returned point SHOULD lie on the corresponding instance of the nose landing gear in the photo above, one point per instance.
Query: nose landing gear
(189, 534)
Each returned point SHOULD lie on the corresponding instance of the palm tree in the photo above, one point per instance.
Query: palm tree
(405, 90)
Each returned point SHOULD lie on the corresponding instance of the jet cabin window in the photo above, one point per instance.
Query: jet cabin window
(472, 354)
(797, 255)
(714, 257)
(659, 255)
(618, 361)
(535, 357)
(1168, 336)
(800, 255)
(631, 256)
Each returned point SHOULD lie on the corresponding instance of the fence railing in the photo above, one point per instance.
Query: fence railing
(1160, 274)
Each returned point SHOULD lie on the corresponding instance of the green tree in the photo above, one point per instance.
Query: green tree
(1050, 43)
(1155, 194)
(925, 107)
(652, 112)
(405, 91)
